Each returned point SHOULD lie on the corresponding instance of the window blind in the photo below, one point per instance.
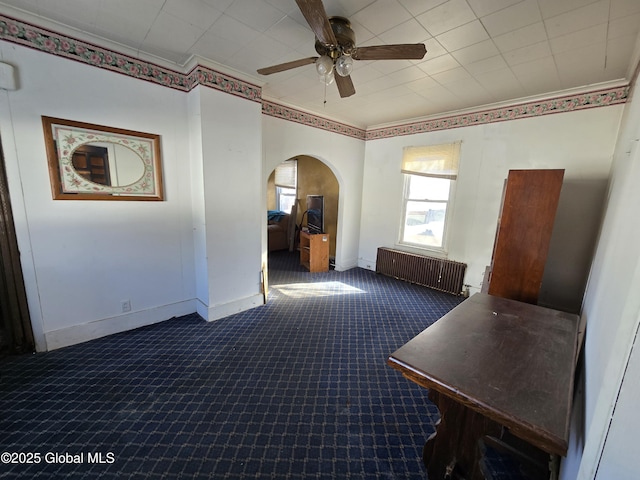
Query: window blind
(287, 174)
(440, 161)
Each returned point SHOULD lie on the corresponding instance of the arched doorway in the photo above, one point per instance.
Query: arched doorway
(313, 177)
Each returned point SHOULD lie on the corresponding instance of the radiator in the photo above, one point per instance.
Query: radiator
(437, 273)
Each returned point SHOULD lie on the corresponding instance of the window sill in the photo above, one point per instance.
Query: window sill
(418, 250)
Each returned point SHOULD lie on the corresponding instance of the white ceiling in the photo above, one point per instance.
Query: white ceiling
(478, 51)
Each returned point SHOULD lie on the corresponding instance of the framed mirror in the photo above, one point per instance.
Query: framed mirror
(94, 162)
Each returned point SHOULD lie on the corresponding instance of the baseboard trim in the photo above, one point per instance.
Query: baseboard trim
(367, 264)
(343, 265)
(67, 336)
(202, 309)
(217, 312)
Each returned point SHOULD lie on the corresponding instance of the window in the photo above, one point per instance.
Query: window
(430, 174)
(286, 179)
(286, 197)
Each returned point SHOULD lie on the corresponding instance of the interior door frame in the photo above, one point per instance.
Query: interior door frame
(13, 296)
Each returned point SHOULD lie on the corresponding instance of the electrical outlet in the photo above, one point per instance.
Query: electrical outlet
(7, 77)
(126, 306)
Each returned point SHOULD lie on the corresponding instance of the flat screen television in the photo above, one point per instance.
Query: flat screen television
(315, 213)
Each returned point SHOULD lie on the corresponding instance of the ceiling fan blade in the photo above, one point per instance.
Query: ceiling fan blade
(345, 86)
(315, 15)
(403, 51)
(286, 66)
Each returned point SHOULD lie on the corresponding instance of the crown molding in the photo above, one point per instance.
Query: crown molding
(60, 29)
(614, 95)
(38, 38)
(208, 77)
(198, 72)
(296, 115)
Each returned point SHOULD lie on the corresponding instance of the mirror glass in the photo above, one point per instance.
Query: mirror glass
(107, 164)
(93, 162)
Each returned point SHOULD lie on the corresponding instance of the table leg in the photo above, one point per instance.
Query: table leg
(453, 451)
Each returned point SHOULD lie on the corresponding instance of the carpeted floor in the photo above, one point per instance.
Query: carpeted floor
(295, 389)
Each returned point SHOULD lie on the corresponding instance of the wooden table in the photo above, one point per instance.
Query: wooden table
(492, 363)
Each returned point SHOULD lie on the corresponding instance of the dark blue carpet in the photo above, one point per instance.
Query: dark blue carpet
(296, 389)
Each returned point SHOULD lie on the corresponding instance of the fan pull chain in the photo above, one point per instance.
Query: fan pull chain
(325, 95)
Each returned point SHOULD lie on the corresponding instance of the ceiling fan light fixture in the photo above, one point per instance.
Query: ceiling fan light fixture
(328, 78)
(324, 65)
(344, 65)
(335, 43)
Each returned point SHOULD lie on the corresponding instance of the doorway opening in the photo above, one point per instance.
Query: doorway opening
(312, 178)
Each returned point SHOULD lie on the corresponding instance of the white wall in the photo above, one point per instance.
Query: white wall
(81, 259)
(343, 155)
(620, 454)
(198, 204)
(611, 421)
(233, 191)
(582, 143)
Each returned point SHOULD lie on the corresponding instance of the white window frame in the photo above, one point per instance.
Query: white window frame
(442, 249)
(286, 181)
(436, 161)
(285, 192)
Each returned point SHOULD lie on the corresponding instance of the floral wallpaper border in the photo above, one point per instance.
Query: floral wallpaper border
(568, 103)
(291, 114)
(28, 35)
(210, 78)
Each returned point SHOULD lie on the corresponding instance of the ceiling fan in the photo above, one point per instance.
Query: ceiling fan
(336, 45)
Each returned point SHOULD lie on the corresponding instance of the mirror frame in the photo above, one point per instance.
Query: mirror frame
(67, 184)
